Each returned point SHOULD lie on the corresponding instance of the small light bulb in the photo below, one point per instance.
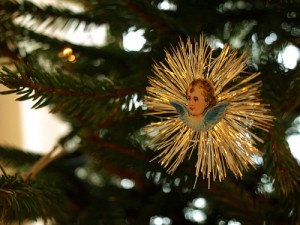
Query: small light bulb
(67, 52)
(72, 58)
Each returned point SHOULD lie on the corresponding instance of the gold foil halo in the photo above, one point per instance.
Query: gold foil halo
(230, 144)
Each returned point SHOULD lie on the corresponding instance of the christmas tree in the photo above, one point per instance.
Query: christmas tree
(102, 170)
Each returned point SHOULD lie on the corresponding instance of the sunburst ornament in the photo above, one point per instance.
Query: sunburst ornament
(207, 104)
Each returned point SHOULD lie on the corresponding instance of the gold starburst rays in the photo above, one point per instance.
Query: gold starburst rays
(230, 144)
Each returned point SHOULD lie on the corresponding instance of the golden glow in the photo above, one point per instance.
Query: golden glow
(230, 143)
(67, 52)
(72, 58)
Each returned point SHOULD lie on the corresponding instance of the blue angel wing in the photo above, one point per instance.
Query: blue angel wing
(211, 117)
(180, 108)
(214, 114)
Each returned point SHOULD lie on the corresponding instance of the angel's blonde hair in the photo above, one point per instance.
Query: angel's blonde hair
(208, 90)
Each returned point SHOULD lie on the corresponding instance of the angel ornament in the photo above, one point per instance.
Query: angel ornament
(205, 104)
(202, 111)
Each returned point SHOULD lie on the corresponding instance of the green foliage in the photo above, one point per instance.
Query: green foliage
(280, 163)
(76, 96)
(22, 200)
(100, 94)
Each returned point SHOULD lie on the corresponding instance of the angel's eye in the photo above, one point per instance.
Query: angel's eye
(188, 98)
(195, 99)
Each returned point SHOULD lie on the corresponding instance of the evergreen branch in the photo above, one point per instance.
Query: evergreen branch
(3, 171)
(291, 107)
(151, 20)
(14, 9)
(65, 93)
(112, 146)
(11, 156)
(247, 215)
(21, 200)
(5, 51)
(115, 55)
(60, 20)
(116, 122)
(124, 173)
(111, 56)
(260, 206)
(118, 151)
(280, 164)
(58, 84)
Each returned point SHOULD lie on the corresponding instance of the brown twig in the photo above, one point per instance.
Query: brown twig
(44, 161)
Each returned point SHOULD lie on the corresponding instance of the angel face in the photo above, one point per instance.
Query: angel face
(200, 96)
(196, 101)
